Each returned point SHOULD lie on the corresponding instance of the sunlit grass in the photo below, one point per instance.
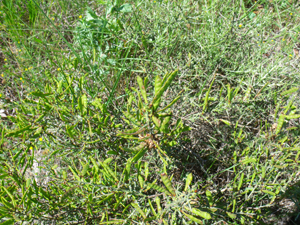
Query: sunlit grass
(238, 72)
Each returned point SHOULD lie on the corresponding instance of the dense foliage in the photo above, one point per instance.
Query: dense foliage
(149, 112)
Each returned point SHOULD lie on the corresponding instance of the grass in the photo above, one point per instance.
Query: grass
(149, 112)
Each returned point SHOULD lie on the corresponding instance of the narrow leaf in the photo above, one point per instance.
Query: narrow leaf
(200, 213)
(159, 188)
(40, 94)
(241, 181)
(289, 92)
(247, 94)
(269, 192)
(85, 169)
(10, 196)
(165, 125)
(188, 181)
(136, 206)
(205, 106)
(152, 208)
(172, 103)
(19, 131)
(209, 197)
(226, 122)
(231, 215)
(142, 89)
(127, 169)
(74, 173)
(194, 219)
(164, 87)
(139, 155)
(295, 116)
(157, 84)
(168, 183)
(280, 123)
(157, 201)
(8, 222)
(156, 121)
(113, 222)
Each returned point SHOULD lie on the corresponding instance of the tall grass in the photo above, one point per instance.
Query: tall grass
(97, 129)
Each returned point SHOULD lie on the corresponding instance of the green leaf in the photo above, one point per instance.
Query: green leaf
(85, 169)
(188, 181)
(70, 130)
(144, 42)
(247, 94)
(156, 121)
(3, 175)
(8, 222)
(165, 86)
(10, 196)
(142, 88)
(164, 128)
(131, 118)
(159, 188)
(118, 202)
(19, 131)
(200, 213)
(40, 118)
(38, 40)
(295, 116)
(280, 123)
(136, 206)
(152, 208)
(105, 199)
(226, 122)
(146, 173)
(109, 171)
(289, 92)
(75, 65)
(2, 136)
(168, 183)
(251, 160)
(6, 203)
(134, 131)
(141, 181)
(97, 103)
(229, 93)
(139, 155)
(209, 197)
(269, 192)
(38, 131)
(140, 147)
(172, 103)
(231, 215)
(44, 193)
(241, 181)
(127, 169)
(196, 220)
(113, 222)
(205, 106)
(40, 94)
(157, 84)
(82, 103)
(74, 174)
(158, 206)
(112, 153)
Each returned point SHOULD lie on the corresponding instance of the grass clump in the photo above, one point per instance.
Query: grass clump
(149, 112)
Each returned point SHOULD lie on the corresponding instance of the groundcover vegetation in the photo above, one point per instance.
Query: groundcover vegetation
(149, 112)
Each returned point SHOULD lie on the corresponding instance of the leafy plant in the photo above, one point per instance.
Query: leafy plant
(150, 125)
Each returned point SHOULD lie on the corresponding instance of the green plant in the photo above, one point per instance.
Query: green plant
(24, 198)
(86, 139)
(149, 123)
